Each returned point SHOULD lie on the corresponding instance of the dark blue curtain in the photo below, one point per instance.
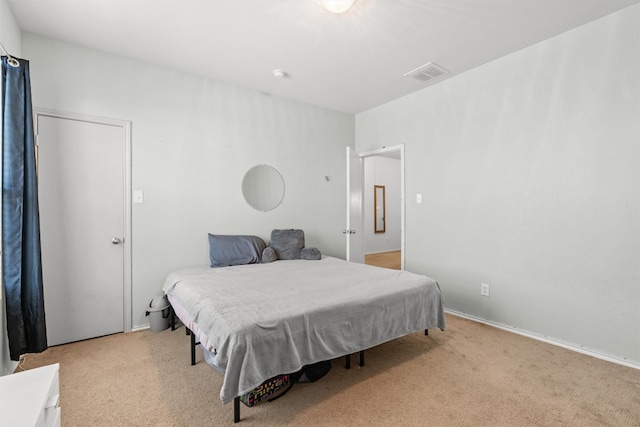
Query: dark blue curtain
(21, 263)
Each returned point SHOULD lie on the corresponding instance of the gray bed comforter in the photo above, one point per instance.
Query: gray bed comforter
(261, 320)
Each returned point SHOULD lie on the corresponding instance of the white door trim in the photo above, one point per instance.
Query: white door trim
(126, 126)
(386, 151)
(355, 214)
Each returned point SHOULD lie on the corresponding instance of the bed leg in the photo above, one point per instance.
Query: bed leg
(347, 360)
(426, 332)
(193, 349)
(172, 318)
(236, 409)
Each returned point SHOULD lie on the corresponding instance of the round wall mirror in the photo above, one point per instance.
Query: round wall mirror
(263, 187)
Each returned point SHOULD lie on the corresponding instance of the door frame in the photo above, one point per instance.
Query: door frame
(126, 243)
(355, 214)
(385, 151)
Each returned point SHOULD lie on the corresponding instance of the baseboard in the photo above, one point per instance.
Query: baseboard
(140, 328)
(547, 340)
(383, 252)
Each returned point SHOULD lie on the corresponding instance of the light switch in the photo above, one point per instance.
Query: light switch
(418, 198)
(138, 196)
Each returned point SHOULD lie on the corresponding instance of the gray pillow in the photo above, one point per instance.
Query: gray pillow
(226, 250)
(269, 255)
(310, 253)
(288, 244)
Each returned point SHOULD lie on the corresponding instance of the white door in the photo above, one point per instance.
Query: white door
(81, 180)
(355, 183)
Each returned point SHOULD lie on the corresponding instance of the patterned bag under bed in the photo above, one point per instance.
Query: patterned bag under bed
(267, 390)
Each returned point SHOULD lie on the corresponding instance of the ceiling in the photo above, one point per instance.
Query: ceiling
(349, 62)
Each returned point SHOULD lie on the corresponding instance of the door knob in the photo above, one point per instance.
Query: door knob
(115, 241)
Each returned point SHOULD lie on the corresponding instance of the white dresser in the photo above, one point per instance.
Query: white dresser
(30, 398)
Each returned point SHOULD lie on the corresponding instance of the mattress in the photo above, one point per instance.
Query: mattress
(262, 320)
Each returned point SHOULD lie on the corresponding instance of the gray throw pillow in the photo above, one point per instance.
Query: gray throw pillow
(269, 255)
(288, 244)
(310, 253)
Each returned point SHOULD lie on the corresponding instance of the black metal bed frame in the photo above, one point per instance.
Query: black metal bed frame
(236, 400)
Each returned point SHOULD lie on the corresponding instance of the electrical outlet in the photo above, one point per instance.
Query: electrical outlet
(484, 289)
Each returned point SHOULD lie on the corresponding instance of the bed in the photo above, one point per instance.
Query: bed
(258, 320)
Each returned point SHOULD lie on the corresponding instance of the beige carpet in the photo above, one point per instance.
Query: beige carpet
(469, 375)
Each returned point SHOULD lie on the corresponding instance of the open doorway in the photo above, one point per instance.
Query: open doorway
(382, 210)
(378, 204)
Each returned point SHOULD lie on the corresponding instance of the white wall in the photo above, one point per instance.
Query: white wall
(10, 34)
(192, 141)
(382, 171)
(10, 37)
(529, 168)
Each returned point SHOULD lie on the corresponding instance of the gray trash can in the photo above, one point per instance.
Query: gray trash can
(159, 313)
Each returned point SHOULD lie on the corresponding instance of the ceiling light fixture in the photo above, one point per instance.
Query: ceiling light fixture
(337, 6)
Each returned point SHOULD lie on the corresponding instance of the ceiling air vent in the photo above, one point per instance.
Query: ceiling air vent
(427, 72)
